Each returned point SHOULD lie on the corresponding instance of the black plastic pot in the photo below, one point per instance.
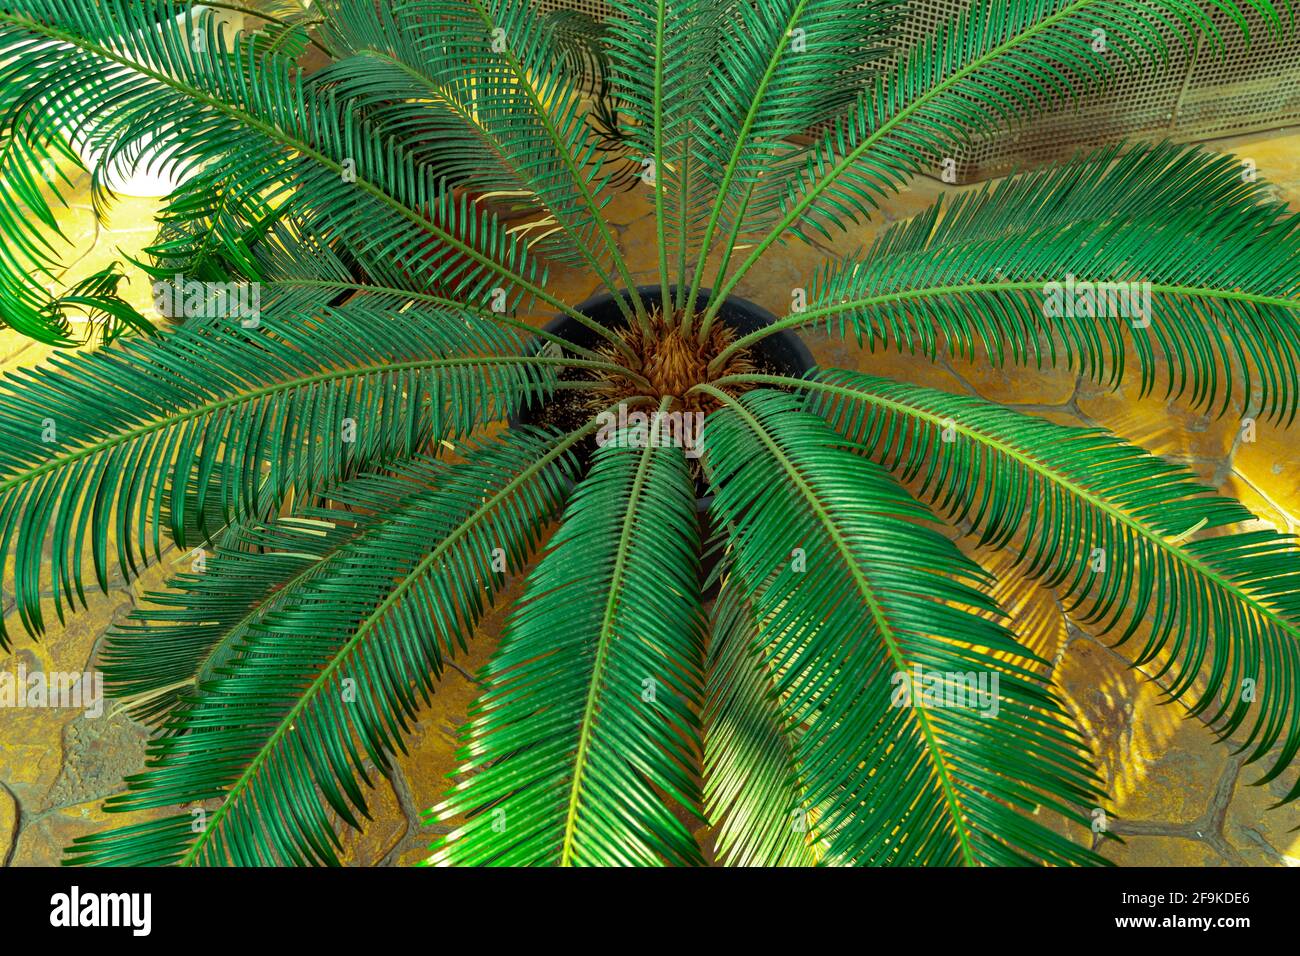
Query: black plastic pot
(782, 353)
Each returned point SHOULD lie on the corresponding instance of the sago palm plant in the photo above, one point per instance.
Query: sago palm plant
(761, 626)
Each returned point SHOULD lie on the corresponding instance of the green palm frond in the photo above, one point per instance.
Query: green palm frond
(298, 287)
(36, 169)
(584, 43)
(994, 61)
(288, 141)
(1135, 543)
(184, 635)
(782, 68)
(105, 449)
(1206, 275)
(588, 724)
(389, 77)
(751, 790)
(326, 681)
(286, 27)
(211, 233)
(520, 102)
(658, 53)
(528, 96)
(854, 598)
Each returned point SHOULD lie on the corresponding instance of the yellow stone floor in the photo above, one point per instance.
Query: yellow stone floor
(1178, 797)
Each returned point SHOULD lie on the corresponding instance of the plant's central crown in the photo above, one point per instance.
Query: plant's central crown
(673, 361)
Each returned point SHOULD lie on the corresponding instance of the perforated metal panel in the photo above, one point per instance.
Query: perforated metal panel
(594, 8)
(1199, 93)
